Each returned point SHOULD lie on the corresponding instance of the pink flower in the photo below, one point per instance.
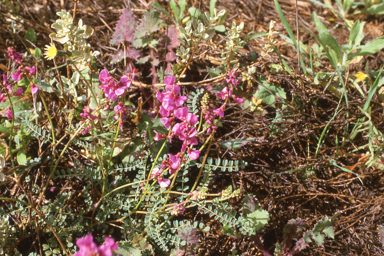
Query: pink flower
(219, 111)
(158, 136)
(177, 209)
(86, 130)
(18, 75)
(88, 248)
(193, 154)
(3, 98)
(31, 70)
(34, 88)
(163, 182)
(87, 113)
(4, 79)
(174, 163)
(16, 56)
(231, 78)
(169, 80)
(104, 77)
(8, 113)
(18, 92)
(239, 100)
(156, 172)
(113, 90)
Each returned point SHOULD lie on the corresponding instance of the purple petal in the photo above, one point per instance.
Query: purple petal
(194, 154)
(104, 76)
(17, 76)
(169, 80)
(165, 122)
(181, 113)
(125, 81)
(164, 183)
(18, 92)
(180, 100)
(240, 100)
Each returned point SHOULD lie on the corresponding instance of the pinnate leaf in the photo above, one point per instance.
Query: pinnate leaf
(125, 28)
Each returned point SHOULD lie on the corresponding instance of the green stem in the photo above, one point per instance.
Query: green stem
(50, 121)
(11, 135)
(61, 155)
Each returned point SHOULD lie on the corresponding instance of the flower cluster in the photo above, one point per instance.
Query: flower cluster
(88, 248)
(20, 72)
(15, 56)
(113, 90)
(171, 111)
(178, 209)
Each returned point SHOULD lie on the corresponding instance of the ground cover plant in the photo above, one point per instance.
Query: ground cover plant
(177, 128)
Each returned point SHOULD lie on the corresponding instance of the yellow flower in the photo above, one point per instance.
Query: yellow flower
(50, 51)
(360, 76)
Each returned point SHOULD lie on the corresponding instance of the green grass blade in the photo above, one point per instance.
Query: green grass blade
(289, 31)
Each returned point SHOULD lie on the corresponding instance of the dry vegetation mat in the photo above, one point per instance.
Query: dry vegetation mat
(191, 127)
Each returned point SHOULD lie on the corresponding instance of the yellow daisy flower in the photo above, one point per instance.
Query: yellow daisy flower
(50, 51)
(360, 76)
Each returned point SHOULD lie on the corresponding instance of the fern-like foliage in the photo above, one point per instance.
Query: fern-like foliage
(223, 164)
(36, 131)
(193, 100)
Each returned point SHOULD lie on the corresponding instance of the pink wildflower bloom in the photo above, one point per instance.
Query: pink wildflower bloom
(4, 79)
(156, 172)
(164, 112)
(19, 92)
(104, 77)
(88, 248)
(3, 98)
(193, 154)
(231, 78)
(169, 98)
(16, 56)
(34, 88)
(8, 113)
(219, 111)
(158, 136)
(163, 182)
(170, 80)
(166, 122)
(177, 209)
(18, 75)
(225, 93)
(86, 130)
(174, 163)
(113, 90)
(194, 195)
(31, 70)
(239, 100)
(87, 113)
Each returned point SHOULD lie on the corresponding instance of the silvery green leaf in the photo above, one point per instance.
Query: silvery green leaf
(221, 13)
